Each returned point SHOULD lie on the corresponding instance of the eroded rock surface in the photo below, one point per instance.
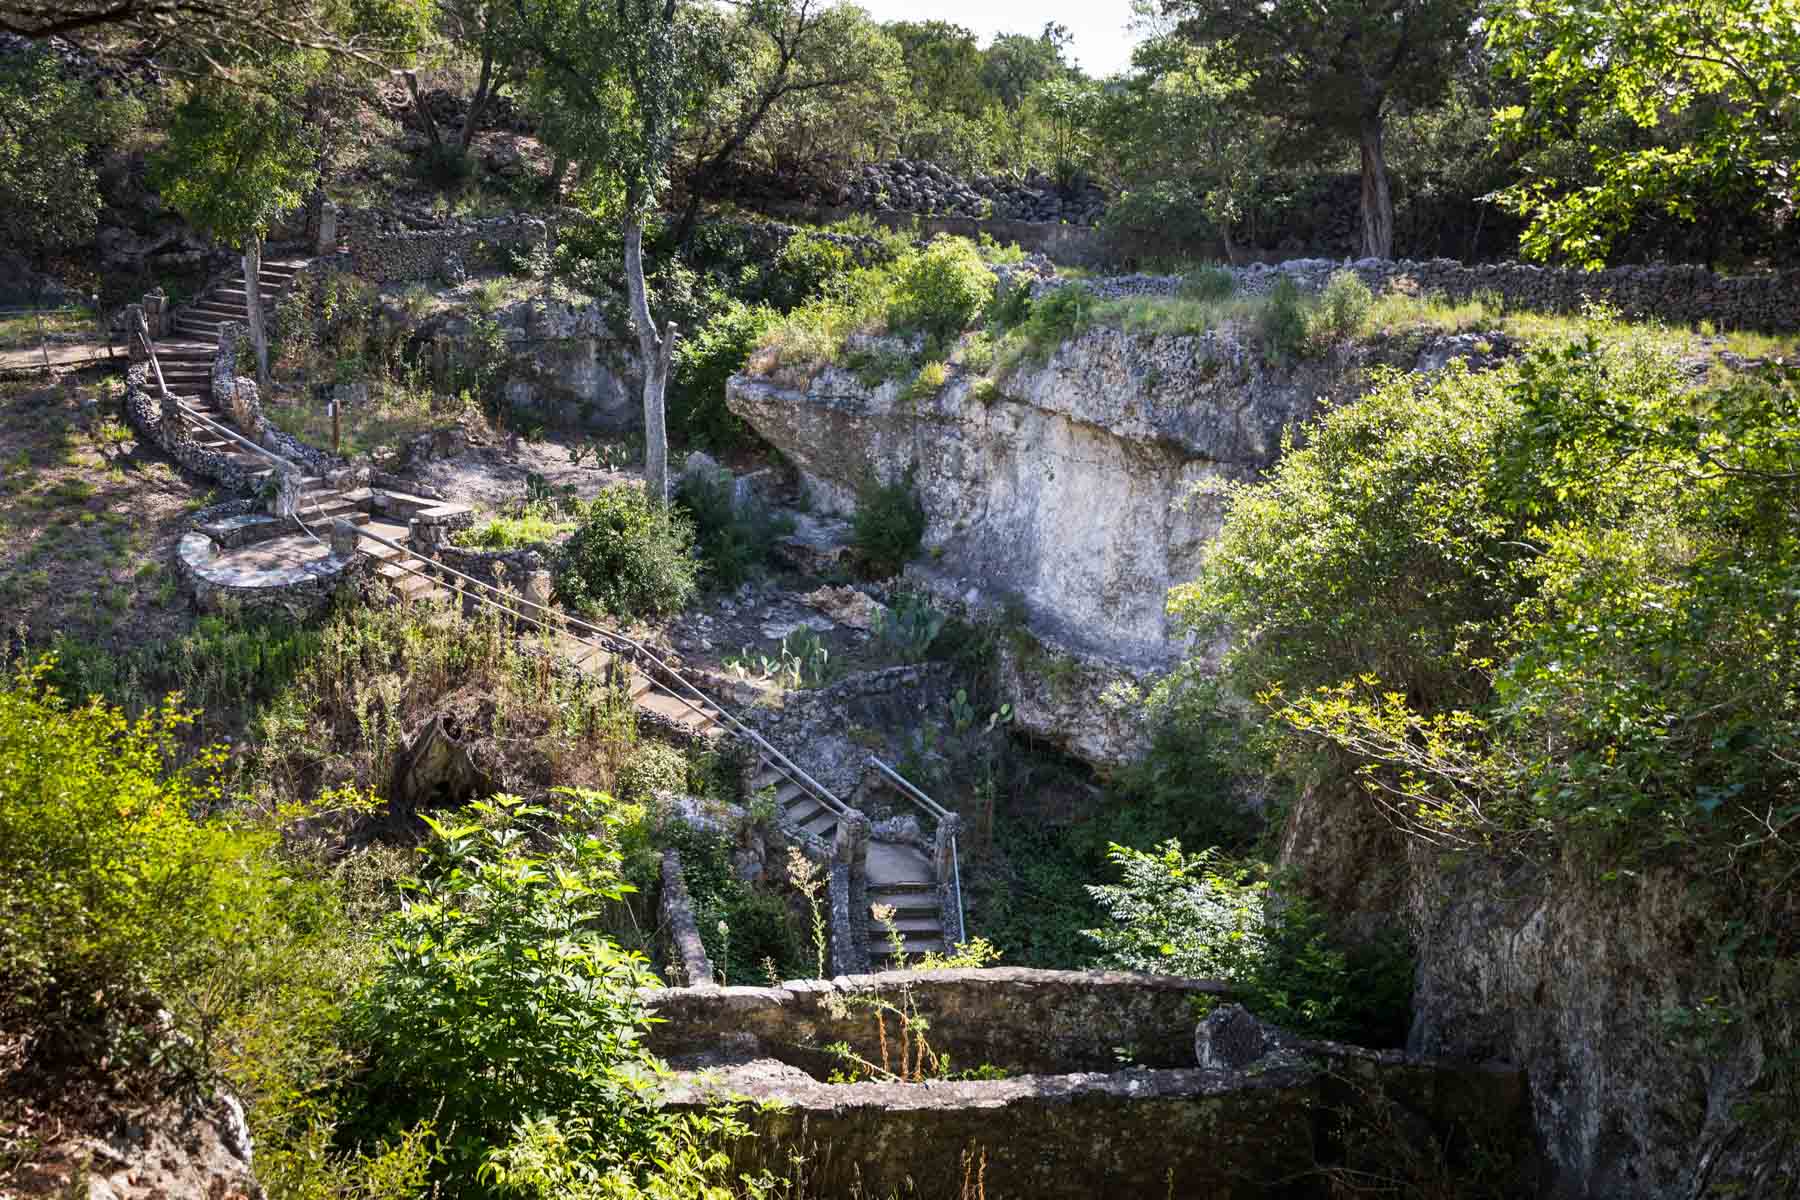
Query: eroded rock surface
(1080, 491)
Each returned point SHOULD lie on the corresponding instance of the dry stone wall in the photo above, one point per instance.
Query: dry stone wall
(1674, 294)
(383, 251)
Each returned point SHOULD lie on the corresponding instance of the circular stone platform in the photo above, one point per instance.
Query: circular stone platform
(290, 573)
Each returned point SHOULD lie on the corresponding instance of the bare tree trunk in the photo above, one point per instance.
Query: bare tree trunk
(1225, 236)
(1377, 202)
(484, 91)
(431, 129)
(656, 352)
(253, 307)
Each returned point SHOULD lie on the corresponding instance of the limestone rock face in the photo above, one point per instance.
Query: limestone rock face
(1078, 492)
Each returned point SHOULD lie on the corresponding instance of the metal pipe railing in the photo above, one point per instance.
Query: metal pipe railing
(619, 644)
(962, 928)
(932, 807)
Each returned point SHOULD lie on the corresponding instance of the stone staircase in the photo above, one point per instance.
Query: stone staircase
(901, 878)
(794, 801)
(200, 321)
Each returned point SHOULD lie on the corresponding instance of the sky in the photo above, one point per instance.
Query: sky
(1102, 43)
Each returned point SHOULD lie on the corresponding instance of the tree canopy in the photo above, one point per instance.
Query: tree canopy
(1727, 71)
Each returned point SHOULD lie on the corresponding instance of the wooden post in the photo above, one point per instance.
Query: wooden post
(43, 345)
(337, 425)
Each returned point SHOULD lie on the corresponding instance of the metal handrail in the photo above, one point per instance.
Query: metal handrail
(934, 809)
(620, 644)
(914, 794)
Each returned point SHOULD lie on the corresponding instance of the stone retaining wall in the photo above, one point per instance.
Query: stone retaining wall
(1678, 295)
(381, 253)
(1224, 1135)
(1015, 1018)
(160, 425)
(299, 591)
(1231, 1108)
(812, 725)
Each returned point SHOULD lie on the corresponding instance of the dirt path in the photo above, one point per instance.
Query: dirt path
(68, 356)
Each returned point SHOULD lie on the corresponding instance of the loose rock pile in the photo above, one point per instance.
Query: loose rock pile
(913, 186)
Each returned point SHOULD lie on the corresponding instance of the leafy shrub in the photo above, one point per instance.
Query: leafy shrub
(629, 556)
(889, 525)
(929, 381)
(704, 360)
(1282, 324)
(498, 1001)
(942, 289)
(653, 766)
(1056, 317)
(805, 265)
(1208, 283)
(108, 884)
(1198, 915)
(1343, 311)
(733, 542)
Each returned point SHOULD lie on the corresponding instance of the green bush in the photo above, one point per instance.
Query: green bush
(499, 1002)
(806, 264)
(1343, 311)
(1208, 284)
(733, 544)
(1282, 325)
(1056, 317)
(889, 525)
(1200, 916)
(941, 290)
(629, 556)
(109, 886)
(704, 360)
(654, 766)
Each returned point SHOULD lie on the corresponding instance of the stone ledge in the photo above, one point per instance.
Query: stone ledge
(1017, 1018)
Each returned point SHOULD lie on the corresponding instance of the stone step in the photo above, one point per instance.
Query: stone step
(400, 568)
(328, 510)
(883, 953)
(906, 905)
(922, 926)
(824, 825)
(805, 810)
(413, 587)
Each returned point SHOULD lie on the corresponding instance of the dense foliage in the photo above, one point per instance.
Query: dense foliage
(628, 556)
(1548, 611)
(1198, 916)
(889, 524)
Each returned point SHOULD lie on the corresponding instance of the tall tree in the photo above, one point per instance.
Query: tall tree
(1724, 73)
(50, 127)
(236, 160)
(626, 77)
(1335, 67)
(1179, 139)
(795, 50)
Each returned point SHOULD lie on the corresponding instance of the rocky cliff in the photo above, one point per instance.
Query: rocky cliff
(1076, 492)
